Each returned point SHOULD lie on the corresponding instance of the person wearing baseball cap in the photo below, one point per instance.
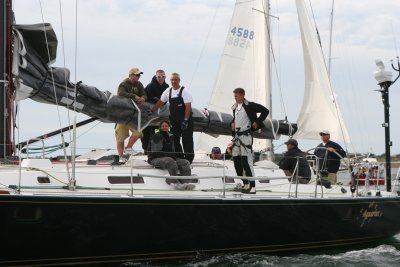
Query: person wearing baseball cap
(329, 154)
(289, 162)
(324, 132)
(134, 71)
(131, 88)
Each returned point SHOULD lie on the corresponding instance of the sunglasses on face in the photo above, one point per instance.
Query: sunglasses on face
(161, 77)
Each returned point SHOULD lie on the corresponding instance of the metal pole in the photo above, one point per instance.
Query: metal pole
(3, 83)
(385, 99)
(5, 78)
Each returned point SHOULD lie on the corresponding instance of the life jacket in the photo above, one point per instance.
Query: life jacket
(161, 145)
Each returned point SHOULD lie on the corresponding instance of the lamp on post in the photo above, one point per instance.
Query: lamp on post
(384, 79)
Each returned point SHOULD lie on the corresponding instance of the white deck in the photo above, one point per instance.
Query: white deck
(41, 177)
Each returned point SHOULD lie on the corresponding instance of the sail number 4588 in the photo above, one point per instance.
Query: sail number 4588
(240, 37)
(241, 32)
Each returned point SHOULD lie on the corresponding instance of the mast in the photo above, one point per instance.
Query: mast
(6, 80)
(268, 92)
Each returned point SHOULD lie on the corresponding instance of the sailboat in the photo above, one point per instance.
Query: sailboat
(119, 213)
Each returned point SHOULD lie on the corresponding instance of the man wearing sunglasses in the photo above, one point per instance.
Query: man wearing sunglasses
(329, 154)
(153, 91)
(133, 89)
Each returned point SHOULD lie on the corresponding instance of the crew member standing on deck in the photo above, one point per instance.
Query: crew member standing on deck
(180, 109)
(245, 121)
(133, 89)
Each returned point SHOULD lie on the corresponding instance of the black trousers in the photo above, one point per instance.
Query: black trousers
(187, 140)
(242, 165)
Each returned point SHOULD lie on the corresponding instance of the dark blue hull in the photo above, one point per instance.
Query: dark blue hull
(39, 230)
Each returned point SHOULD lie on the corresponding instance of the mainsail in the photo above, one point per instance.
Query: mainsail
(320, 110)
(245, 64)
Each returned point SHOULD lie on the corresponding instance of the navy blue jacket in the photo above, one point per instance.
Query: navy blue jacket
(289, 162)
(154, 90)
(332, 161)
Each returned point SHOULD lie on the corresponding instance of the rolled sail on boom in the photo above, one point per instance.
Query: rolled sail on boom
(35, 79)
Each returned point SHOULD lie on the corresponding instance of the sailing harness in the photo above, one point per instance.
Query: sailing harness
(237, 141)
(246, 132)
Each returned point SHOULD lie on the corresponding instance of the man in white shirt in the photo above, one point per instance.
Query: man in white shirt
(180, 109)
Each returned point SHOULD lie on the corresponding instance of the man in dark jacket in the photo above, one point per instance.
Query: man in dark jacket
(289, 162)
(245, 121)
(153, 91)
(328, 159)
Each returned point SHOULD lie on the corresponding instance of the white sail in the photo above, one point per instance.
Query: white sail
(245, 64)
(320, 110)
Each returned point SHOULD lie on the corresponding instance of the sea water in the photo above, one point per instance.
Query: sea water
(385, 254)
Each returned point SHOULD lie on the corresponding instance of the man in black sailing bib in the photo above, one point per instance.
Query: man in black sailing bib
(180, 109)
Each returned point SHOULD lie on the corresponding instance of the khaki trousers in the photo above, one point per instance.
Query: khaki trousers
(332, 177)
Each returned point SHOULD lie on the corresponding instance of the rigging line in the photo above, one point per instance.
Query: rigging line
(71, 182)
(275, 62)
(76, 49)
(350, 72)
(52, 74)
(51, 70)
(330, 39)
(66, 93)
(64, 65)
(278, 66)
(19, 157)
(315, 24)
(204, 44)
(85, 132)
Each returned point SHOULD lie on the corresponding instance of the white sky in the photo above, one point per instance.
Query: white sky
(188, 37)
